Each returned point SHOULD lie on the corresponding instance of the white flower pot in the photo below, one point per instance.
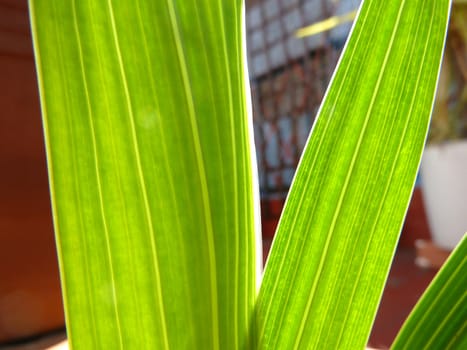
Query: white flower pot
(444, 187)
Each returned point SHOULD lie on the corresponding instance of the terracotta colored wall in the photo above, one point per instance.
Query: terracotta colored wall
(30, 300)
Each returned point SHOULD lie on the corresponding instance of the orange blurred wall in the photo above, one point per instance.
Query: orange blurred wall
(30, 299)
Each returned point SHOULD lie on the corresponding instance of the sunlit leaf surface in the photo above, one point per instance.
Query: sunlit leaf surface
(342, 219)
(149, 155)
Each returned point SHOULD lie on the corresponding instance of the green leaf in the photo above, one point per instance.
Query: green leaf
(337, 235)
(439, 318)
(150, 163)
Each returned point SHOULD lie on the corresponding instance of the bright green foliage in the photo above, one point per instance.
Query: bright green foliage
(342, 219)
(150, 162)
(439, 320)
(148, 145)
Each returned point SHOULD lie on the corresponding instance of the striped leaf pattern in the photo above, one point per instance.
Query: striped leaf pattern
(150, 163)
(344, 212)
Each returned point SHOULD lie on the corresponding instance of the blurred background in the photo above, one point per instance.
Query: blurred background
(293, 47)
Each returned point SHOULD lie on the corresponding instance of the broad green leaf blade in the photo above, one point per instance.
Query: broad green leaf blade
(337, 235)
(439, 320)
(150, 163)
